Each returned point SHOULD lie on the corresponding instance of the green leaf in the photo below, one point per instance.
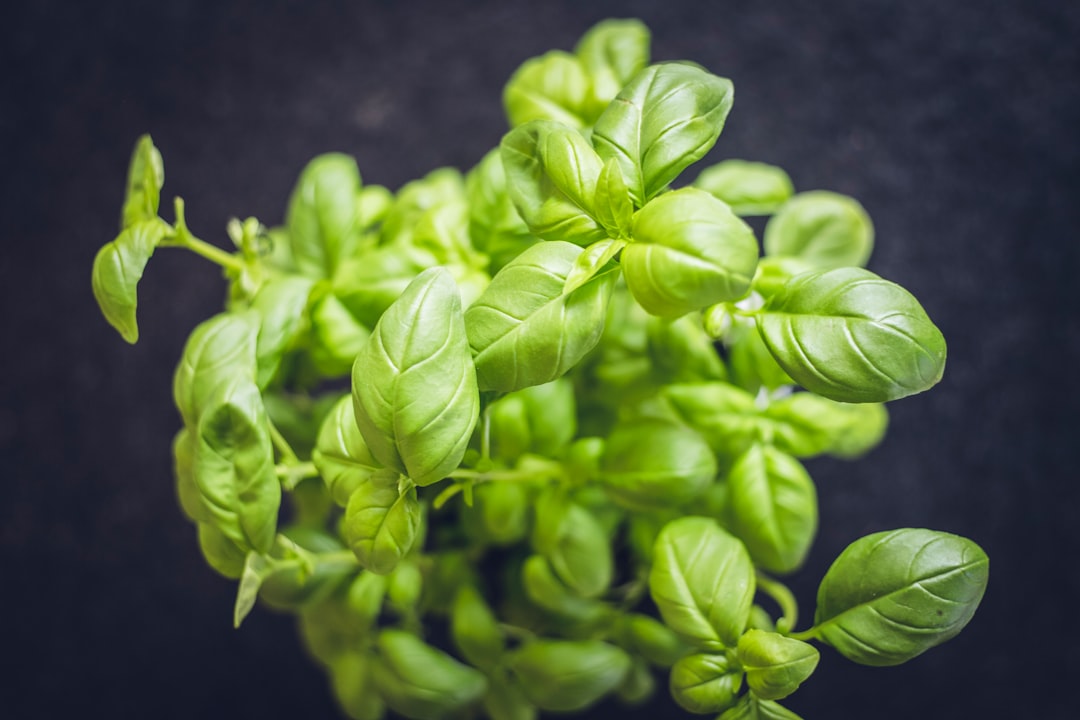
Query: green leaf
(187, 492)
(666, 118)
(681, 351)
(824, 229)
(750, 188)
(612, 52)
(638, 685)
(574, 543)
(499, 513)
(551, 175)
(727, 417)
(219, 350)
(649, 638)
(419, 681)
(367, 285)
(281, 303)
(529, 338)
(851, 336)
(751, 708)
(752, 365)
(118, 267)
(221, 553)
(233, 465)
(773, 507)
(505, 700)
(475, 629)
(495, 226)
(702, 580)
(655, 463)
(323, 214)
(146, 175)
(611, 201)
(341, 456)
(382, 522)
(568, 675)
(805, 424)
(595, 259)
(351, 679)
(336, 336)
(705, 683)
(256, 568)
(404, 587)
(314, 566)
(553, 86)
(893, 595)
(414, 386)
(775, 665)
(689, 251)
(548, 592)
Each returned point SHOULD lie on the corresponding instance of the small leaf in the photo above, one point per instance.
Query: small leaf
(548, 592)
(705, 683)
(419, 681)
(341, 456)
(893, 595)
(591, 262)
(568, 675)
(574, 543)
(750, 188)
(475, 629)
(219, 350)
(851, 336)
(775, 665)
(323, 214)
(752, 708)
(281, 303)
(611, 202)
(118, 267)
(702, 580)
(414, 386)
(529, 338)
(353, 686)
(381, 522)
(505, 700)
(666, 118)
(612, 53)
(146, 175)
(495, 226)
(651, 639)
(336, 337)
(824, 229)
(553, 86)
(256, 568)
(689, 252)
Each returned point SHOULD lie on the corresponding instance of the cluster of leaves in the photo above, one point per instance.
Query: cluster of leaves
(579, 400)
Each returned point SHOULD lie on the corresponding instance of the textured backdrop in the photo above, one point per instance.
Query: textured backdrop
(955, 124)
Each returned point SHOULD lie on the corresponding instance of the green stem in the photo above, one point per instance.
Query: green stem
(784, 598)
(185, 239)
(288, 455)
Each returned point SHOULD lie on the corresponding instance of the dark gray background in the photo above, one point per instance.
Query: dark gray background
(954, 123)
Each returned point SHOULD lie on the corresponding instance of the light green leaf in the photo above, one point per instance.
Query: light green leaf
(574, 543)
(611, 201)
(323, 218)
(414, 386)
(681, 351)
(352, 683)
(851, 336)
(702, 580)
(341, 456)
(752, 708)
(612, 52)
(256, 568)
(649, 638)
(727, 417)
(893, 595)
(529, 338)
(146, 175)
(381, 521)
(805, 424)
(775, 665)
(218, 351)
(221, 553)
(118, 267)
(568, 675)
(421, 682)
(553, 86)
(281, 303)
(824, 229)
(475, 629)
(704, 683)
(689, 252)
(773, 507)
(591, 262)
(367, 285)
(499, 513)
(666, 118)
(548, 592)
(750, 188)
(336, 336)
(505, 700)
(495, 226)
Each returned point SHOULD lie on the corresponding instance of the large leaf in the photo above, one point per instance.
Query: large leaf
(219, 350)
(666, 118)
(689, 251)
(852, 336)
(893, 595)
(118, 267)
(524, 331)
(382, 521)
(414, 385)
(702, 581)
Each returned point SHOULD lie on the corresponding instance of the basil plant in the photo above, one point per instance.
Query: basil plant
(581, 397)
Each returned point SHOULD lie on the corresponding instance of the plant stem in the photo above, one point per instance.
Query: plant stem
(784, 598)
(183, 238)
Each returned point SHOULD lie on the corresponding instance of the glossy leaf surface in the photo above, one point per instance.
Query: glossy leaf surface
(775, 665)
(341, 455)
(118, 267)
(704, 683)
(382, 522)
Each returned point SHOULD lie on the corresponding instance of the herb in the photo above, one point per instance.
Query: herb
(573, 389)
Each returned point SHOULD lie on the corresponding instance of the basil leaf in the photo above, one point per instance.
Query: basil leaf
(681, 351)
(666, 118)
(505, 700)
(612, 52)
(218, 351)
(353, 687)
(775, 665)
(475, 629)
(382, 521)
(369, 284)
(322, 217)
(824, 229)
(548, 592)
(118, 267)
(689, 251)
(705, 683)
(336, 336)
(752, 365)
(655, 463)
(341, 456)
(553, 86)
(540, 419)
(649, 638)
(495, 226)
(221, 553)
(233, 465)
(851, 336)
(551, 176)
(372, 205)
(365, 596)
(702, 581)
(574, 543)
(751, 708)
(146, 175)
(522, 339)
(296, 580)
(750, 188)
(893, 595)
(611, 201)
(499, 513)
(568, 675)
(419, 681)
(727, 417)
(638, 685)
(281, 303)
(187, 492)
(773, 507)
(414, 386)
(805, 424)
